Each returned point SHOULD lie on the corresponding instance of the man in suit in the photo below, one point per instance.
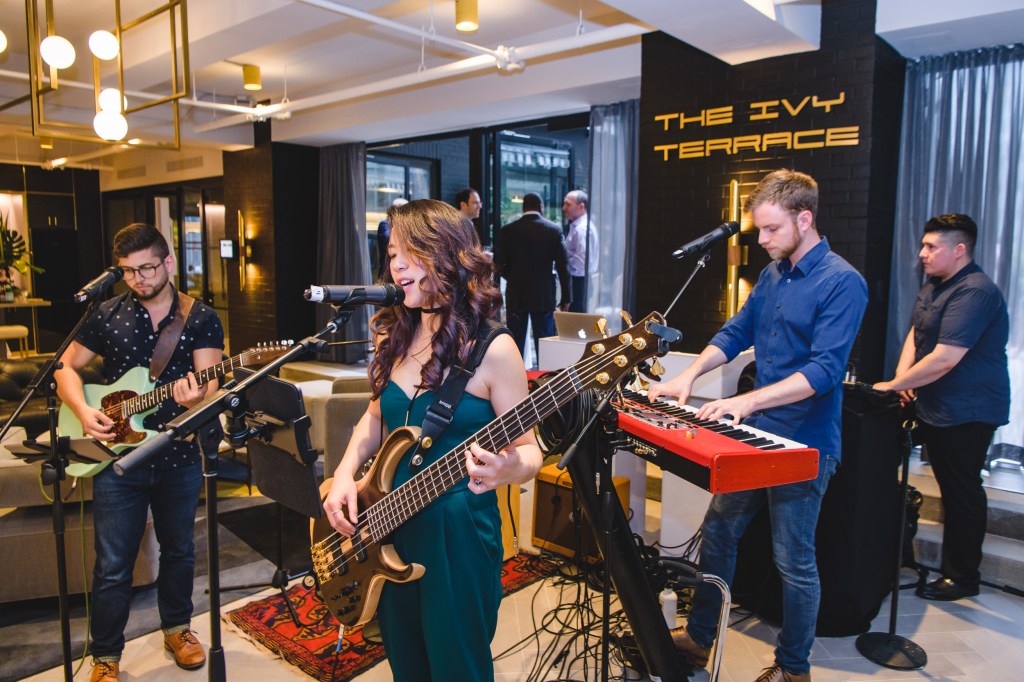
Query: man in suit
(524, 253)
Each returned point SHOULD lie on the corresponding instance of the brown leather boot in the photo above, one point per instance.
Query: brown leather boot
(777, 674)
(694, 653)
(188, 652)
(104, 671)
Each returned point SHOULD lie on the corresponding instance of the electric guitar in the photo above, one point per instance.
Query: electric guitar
(133, 397)
(352, 571)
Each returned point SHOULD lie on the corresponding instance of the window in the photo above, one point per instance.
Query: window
(389, 177)
(529, 163)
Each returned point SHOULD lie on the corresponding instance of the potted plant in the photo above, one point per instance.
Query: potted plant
(14, 254)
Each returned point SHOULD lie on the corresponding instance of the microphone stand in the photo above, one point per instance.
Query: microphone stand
(887, 648)
(702, 262)
(231, 399)
(52, 473)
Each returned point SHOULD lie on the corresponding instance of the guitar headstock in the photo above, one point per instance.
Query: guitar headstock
(263, 353)
(607, 360)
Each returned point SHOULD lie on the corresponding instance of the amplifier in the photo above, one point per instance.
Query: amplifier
(553, 527)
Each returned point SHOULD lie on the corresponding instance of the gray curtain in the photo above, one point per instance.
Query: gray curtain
(614, 156)
(962, 151)
(343, 257)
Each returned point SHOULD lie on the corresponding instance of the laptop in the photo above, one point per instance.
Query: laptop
(577, 326)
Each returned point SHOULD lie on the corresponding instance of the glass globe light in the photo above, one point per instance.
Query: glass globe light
(104, 45)
(110, 125)
(57, 52)
(111, 99)
(3, 41)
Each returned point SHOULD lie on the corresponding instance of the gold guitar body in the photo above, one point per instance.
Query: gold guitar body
(352, 571)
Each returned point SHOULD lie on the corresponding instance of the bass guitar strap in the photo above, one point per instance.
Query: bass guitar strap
(442, 411)
(169, 337)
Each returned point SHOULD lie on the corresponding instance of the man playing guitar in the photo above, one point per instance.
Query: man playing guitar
(125, 331)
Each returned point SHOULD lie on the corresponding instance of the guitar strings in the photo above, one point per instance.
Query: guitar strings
(565, 391)
(382, 510)
(562, 383)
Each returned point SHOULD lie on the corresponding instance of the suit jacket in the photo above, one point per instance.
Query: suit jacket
(524, 253)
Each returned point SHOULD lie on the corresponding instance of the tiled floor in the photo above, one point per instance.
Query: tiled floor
(977, 640)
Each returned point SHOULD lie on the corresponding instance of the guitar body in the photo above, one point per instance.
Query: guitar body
(128, 431)
(134, 397)
(353, 571)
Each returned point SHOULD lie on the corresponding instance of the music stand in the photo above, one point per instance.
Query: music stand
(283, 464)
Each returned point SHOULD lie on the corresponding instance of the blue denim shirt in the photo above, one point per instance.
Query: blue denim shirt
(801, 319)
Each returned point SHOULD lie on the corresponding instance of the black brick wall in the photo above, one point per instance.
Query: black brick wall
(682, 198)
(276, 187)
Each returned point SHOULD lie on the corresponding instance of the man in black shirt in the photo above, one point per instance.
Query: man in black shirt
(124, 331)
(954, 367)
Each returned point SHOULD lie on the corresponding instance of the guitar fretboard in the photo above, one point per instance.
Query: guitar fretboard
(141, 403)
(438, 478)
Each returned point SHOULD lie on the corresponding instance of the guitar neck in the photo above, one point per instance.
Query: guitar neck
(438, 478)
(141, 403)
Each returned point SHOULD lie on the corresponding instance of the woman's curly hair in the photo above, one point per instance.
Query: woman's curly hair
(446, 244)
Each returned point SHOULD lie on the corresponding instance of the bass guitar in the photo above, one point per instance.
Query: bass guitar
(133, 397)
(352, 571)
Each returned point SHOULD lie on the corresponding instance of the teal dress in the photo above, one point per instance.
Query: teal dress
(440, 626)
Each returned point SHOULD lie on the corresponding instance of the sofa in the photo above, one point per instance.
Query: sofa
(27, 542)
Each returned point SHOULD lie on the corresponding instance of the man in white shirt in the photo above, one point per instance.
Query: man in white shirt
(581, 247)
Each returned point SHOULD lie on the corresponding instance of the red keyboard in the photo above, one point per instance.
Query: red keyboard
(714, 455)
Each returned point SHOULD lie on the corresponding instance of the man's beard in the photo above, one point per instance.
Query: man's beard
(154, 293)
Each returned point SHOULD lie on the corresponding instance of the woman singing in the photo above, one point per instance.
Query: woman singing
(440, 627)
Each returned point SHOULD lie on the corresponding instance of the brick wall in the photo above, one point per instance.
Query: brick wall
(690, 154)
(276, 188)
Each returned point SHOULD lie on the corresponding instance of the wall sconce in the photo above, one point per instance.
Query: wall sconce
(466, 18)
(244, 251)
(251, 77)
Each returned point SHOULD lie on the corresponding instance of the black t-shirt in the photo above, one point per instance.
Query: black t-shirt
(121, 331)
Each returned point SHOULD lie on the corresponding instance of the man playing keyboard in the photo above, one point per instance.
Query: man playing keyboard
(801, 318)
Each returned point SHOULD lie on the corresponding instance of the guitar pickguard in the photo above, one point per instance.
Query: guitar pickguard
(128, 433)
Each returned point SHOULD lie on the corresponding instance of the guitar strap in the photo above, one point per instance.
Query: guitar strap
(442, 411)
(169, 336)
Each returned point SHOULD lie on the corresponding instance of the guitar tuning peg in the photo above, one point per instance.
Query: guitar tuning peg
(638, 384)
(657, 369)
(601, 326)
(627, 318)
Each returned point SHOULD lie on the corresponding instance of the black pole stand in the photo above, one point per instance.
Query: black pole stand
(52, 473)
(888, 648)
(622, 563)
(228, 399)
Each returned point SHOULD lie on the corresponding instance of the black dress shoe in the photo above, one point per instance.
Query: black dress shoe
(948, 589)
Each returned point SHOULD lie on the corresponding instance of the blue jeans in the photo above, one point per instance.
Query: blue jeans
(543, 326)
(119, 518)
(794, 517)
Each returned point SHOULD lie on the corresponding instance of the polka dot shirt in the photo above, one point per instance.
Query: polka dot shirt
(120, 330)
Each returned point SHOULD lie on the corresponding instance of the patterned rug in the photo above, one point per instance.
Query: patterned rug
(311, 647)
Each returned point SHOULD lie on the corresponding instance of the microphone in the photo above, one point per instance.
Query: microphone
(723, 231)
(100, 284)
(345, 294)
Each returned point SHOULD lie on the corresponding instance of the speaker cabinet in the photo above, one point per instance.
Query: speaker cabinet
(857, 531)
(553, 527)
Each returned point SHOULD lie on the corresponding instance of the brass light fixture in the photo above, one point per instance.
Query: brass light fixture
(251, 77)
(111, 105)
(466, 18)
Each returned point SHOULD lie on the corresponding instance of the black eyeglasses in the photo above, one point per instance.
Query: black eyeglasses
(145, 270)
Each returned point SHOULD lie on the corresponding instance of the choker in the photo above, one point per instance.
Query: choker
(431, 310)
